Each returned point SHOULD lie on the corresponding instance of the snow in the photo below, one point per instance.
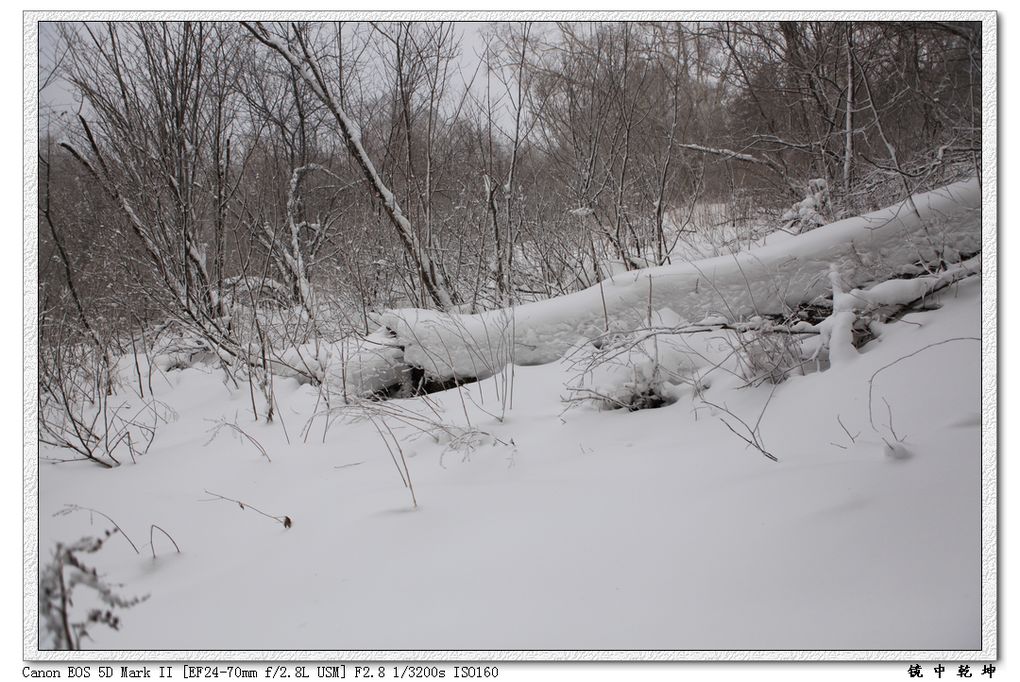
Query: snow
(582, 529)
(539, 521)
(728, 153)
(806, 214)
(903, 291)
(768, 279)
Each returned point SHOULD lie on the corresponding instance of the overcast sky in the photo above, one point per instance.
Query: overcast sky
(57, 99)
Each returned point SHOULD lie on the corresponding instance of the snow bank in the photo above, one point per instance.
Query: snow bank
(769, 279)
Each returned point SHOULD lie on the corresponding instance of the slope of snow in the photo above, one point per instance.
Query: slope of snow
(565, 529)
(768, 279)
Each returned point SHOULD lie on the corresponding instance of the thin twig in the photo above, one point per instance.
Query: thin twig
(871, 380)
(240, 431)
(153, 546)
(753, 438)
(68, 508)
(284, 520)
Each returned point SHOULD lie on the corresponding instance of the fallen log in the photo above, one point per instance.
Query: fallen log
(768, 280)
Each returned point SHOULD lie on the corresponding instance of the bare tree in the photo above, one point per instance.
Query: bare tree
(302, 57)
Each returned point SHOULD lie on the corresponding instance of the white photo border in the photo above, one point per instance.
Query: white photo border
(989, 366)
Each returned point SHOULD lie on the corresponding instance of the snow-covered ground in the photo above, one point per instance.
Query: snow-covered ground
(542, 527)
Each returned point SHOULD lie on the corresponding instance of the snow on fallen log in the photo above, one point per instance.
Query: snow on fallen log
(837, 330)
(767, 280)
(351, 367)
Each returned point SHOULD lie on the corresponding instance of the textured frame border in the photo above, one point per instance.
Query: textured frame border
(989, 342)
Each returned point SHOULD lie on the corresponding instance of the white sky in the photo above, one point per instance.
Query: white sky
(58, 97)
